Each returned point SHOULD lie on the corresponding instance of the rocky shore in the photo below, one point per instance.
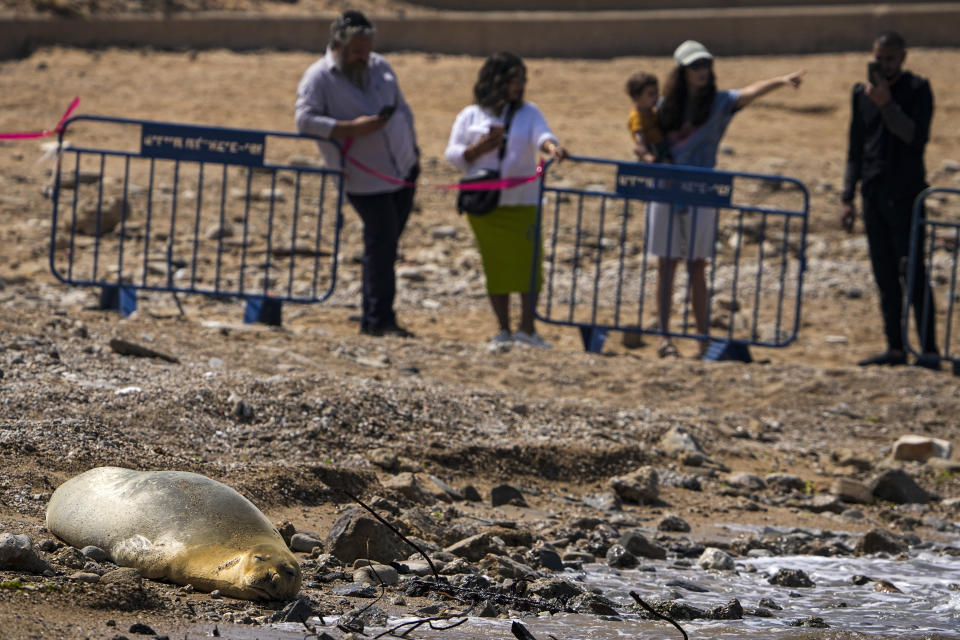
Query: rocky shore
(510, 469)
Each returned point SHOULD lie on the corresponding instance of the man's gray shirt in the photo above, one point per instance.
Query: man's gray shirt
(325, 95)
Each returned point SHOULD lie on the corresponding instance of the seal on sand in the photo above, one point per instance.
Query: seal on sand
(178, 526)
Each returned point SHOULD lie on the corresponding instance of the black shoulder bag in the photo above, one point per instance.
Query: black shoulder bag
(478, 202)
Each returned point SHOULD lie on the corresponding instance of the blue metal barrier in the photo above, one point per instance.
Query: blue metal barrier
(154, 206)
(600, 276)
(937, 236)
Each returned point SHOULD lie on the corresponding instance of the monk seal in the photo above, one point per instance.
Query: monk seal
(178, 526)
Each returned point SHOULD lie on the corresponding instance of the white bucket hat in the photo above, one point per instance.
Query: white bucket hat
(689, 52)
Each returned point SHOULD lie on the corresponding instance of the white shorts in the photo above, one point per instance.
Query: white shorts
(684, 227)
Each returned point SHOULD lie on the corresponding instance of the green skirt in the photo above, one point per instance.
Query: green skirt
(505, 237)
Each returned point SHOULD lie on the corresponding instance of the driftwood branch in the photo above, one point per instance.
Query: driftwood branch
(382, 521)
(654, 612)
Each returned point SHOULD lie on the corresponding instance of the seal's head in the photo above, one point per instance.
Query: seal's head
(269, 573)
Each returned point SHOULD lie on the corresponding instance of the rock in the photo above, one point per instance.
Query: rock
(17, 554)
(94, 553)
(407, 485)
(637, 544)
(879, 541)
(470, 494)
(676, 610)
(374, 574)
(898, 486)
(673, 522)
(219, 231)
(791, 578)
(142, 629)
(609, 502)
(619, 558)
(686, 584)
(126, 348)
(813, 622)
(85, 576)
(95, 217)
(822, 503)
(553, 589)
(357, 535)
(679, 443)
(730, 611)
(769, 603)
(304, 543)
(446, 492)
(785, 482)
(68, 557)
(687, 481)
(353, 590)
(505, 494)
(744, 480)
(850, 490)
(592, 603)
(299, 610)
(886, 587)
(458, 566)
(286, 528)
(638, 487)
(920, 448)
(505, 567)
(578, 556)
(365, 617)
(546, 557)
(476, 547)
(123, 575)
(716, 559)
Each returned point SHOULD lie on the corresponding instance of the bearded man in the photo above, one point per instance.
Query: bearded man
(889, 130)
(352, 95)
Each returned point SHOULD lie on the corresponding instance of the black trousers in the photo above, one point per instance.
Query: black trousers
(888, 224)
(384, 217)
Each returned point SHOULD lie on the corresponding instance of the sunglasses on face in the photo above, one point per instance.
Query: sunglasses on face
(703, 63)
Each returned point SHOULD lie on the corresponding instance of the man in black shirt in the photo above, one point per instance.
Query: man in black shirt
(889, 129)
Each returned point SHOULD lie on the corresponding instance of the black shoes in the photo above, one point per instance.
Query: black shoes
(390, 330)
(887, 358)
(929, 360)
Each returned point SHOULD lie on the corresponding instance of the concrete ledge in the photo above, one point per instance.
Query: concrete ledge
(626, 5)
(735, 31)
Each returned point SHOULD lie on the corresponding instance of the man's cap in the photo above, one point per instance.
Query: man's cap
(350, 21)
(689, 52)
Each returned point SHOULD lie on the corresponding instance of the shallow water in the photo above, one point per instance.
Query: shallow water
(927, 608)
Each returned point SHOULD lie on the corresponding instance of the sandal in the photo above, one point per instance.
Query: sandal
(668, 351)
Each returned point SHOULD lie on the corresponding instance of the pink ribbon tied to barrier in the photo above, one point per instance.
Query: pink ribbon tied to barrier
(481, 185)
(44, 133)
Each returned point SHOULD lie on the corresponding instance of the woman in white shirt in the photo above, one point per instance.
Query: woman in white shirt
(505, 236)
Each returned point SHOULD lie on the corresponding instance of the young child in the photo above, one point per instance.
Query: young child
(647, 137)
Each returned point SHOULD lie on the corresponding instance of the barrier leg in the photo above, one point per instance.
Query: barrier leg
(593, 338)
(728, 350)
(264, 310)
(119, 298)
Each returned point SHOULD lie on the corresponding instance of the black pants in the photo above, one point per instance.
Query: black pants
(384, 216)
(888, 225)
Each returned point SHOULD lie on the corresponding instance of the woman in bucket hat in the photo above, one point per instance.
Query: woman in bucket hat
(693, 116)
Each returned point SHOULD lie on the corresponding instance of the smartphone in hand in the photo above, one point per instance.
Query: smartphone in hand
(387, 111)
(873, 72)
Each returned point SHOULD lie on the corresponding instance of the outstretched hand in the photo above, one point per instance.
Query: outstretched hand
(795, 79)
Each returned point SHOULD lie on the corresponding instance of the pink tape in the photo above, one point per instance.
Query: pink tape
(43, 134)
(483, 185)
